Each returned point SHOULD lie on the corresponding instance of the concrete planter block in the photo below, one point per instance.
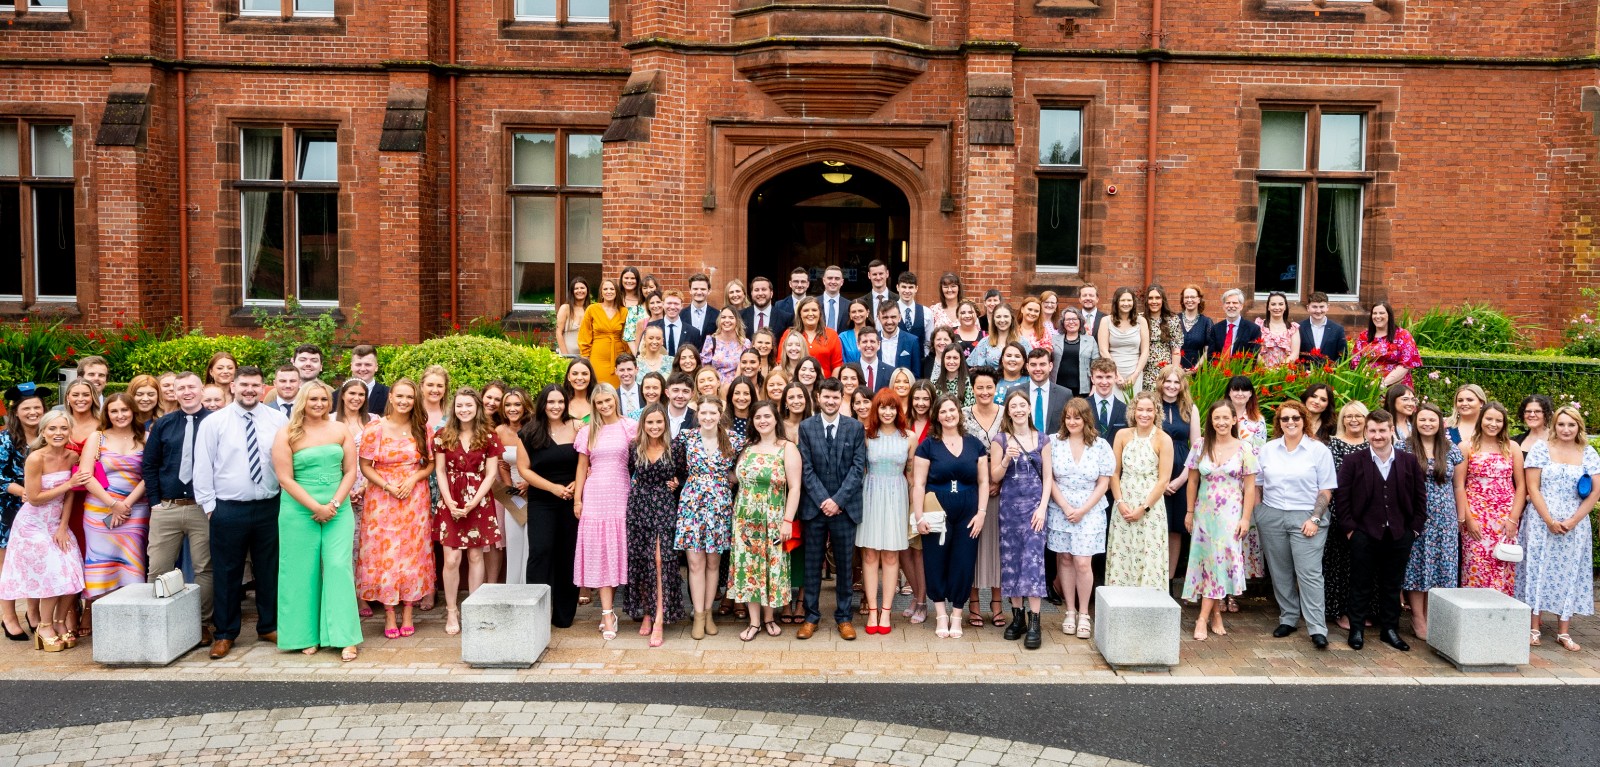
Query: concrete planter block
(505, 626)
(1136, 628)
(134, 628)
(1478, 629)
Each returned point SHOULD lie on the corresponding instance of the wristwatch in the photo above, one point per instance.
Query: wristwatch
(1317, 520)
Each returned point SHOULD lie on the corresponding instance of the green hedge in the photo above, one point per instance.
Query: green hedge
(474, 361)
(1511, 377)
(193, 352)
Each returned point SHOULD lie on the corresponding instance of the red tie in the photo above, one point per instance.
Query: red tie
(761, 320)
(1227, 343)
(869, 378)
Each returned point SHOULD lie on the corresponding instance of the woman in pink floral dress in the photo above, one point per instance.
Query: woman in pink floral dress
(1387, 346)
(396, 561)
(1222, 496)
(1490, 497)
(601, 503)
(466, 462)
(1280, 338)
(722, 348)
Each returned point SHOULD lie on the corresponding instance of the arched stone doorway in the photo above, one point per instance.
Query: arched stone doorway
(827, 212)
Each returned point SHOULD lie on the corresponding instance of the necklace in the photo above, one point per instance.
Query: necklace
(1188, 324)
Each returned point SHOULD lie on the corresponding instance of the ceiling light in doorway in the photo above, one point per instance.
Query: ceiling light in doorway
(836, 173)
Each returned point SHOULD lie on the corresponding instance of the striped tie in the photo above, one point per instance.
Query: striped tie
(251, 445)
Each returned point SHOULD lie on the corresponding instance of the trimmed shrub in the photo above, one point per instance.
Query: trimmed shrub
(1511, 377)
(1467, 328)
(193, 352)
(474, 361)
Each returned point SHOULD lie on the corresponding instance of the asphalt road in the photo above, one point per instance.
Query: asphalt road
(1177, 725)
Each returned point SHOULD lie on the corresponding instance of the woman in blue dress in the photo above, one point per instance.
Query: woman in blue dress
(1556, 573)
(950, 465)
(1436, 556)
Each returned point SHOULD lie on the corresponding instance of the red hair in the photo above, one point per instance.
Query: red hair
(886, 396)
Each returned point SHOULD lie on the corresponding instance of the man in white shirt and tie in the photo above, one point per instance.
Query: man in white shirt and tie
(235, 483)
(913, 318)
(762, 312)
(364, 368)
(168, 471)
(875, 373)
(835, 307)
(1089, 300)
(285, 387)
(1233, 334)
(878, 277)
(702, 315)
(627, 371)
(1047, 397)
(675, 331)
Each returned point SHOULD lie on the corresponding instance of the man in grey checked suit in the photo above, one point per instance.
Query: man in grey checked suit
(833, 457)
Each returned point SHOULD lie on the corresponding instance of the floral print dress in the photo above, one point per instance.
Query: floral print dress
(464, 470)
(1557, 574)
(705, 508)
(1077, 477)
(1386, 355)
(759, 568)
(1336, 552)
(723, 356)
(35, 567)
(652, 520)
(1022, 549)
(1489, 494)
(1136, 552)
(1253, 431)
(1277, 345)
(1166, 339)
(1435, 557)
(1216, 556)
(396, 560)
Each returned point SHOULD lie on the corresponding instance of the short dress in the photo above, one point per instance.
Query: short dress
(35, 567)
(601, 559)
(464, 470)
(1276, 345)
(705, 507)
(885, 495)
(1077, 479)
(1557, 574)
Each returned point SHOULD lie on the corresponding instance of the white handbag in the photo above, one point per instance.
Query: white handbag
(933, 515)
(169, 584)
(1508, 552)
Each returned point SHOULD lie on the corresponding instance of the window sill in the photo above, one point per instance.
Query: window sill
(13, 308)
(277, 25)
(245, 316)
(529, 318)
(549, 30)
(44, 19)
(1328, 11)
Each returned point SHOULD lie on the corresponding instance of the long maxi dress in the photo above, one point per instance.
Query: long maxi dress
(758, 566)
(1136, 552)
(601, 558)
(1489, 494)
(316, 581)
(114, 557)
(651, 522)
(1022, 549)
(396, 553)
(1216, 557)
(1557, 573)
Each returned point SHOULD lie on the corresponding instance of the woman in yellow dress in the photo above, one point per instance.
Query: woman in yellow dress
(600, 333)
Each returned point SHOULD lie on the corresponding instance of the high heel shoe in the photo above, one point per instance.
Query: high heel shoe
(48, 644)
(20, 636)
(68, 639)
(388, 615)
(872, 619)
(884, 626)
(610, 633)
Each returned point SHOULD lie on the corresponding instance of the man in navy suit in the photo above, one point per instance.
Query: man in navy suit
(898, 347)
(874, 371)
(1110, 414)
(364, 367)
(1318, 334)
(878, 278)
(913, 316)
(833, 460)
(675, 328)
(700, 314)
(762, 312)
(799, 283)
(835, 307)
(1233, 334)
(1048, 398)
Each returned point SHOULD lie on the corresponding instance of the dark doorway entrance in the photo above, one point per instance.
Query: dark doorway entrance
(824, 213)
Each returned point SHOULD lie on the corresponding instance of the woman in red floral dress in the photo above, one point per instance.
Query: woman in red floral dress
(466, 462)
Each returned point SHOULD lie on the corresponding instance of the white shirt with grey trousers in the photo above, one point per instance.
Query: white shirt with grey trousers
(1290, 482)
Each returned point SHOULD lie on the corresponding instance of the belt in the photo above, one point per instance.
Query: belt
(173, 502)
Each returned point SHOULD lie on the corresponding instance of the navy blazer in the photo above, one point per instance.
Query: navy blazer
(1333, 341)
(914, 322)
(884, 372)
(841, 321)
(377, 398)
(1246, 337)
(1119, 417)
(832, 471)
(691, 335)
(708, 327)
(779, 319)
(908, 352)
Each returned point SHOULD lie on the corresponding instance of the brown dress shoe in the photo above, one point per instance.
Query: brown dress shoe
(205, 635)
(270, 636)
(806, 630)
(846, 631)
(220, 648)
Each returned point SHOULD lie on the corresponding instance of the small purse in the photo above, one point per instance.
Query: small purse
(169, 584)
(933, 515)
(1508, 552)
(1585, 486)
(794, 536)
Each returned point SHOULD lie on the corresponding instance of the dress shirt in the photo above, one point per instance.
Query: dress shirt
(833, 307)
(674, 335)
(222, 458)
(676, 421)
(1383, 463)
(1041, 404)
(878, 299)
(163, 457)
(830, 429)
(1316, 332)
(908, 313)
(628, 398)
(1291, 479)
(697, 315)
(1110, 404)
(869, 375)
(761, 318)
(889, 348)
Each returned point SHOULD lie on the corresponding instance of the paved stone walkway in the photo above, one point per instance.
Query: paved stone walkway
(910, 653)
(517, 733)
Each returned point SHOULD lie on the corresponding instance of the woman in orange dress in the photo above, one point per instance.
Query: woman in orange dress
(820, 340)
(600, 333)
(396, 558)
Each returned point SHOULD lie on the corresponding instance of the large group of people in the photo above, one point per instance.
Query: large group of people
(698, 462)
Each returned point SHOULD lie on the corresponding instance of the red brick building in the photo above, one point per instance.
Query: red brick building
(203, 156)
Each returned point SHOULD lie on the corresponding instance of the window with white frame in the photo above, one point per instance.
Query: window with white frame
(46, 6)
(289, 214)
(555, 214)
(38, 242)
(1060, 174)
(286, 8)
(563, 11)
(1311, 193)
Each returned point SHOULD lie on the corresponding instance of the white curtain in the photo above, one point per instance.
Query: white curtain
(259, 149)
(1344, 233)
(1261, 215)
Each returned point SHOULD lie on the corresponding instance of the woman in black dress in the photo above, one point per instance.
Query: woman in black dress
(1196, 328)
(655, 585)
(1178, 416)
(549, 464)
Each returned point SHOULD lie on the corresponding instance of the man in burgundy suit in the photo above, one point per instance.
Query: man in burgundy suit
(1382, 506)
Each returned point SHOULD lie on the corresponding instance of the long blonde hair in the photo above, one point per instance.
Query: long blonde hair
(1185, 400)
(598, 422)
(297, 415)
(450, 435)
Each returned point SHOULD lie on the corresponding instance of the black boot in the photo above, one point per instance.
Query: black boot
(1035, 637)
(1018, 625)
